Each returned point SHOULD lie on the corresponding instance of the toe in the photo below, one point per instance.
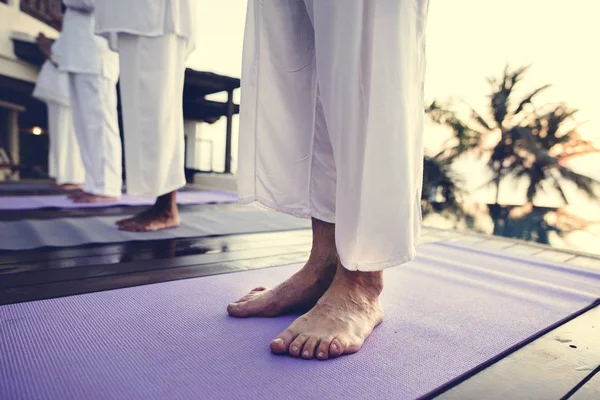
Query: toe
(322, 352)
(234, 310)
(297, 345)
(239, 310)
(311, 344)
(336, 349)
(281, 343)
(250, 307)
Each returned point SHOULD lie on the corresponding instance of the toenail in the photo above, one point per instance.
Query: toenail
(295, 348)
(278, 341)
(320, 354)
(306, 353)
(334, 346)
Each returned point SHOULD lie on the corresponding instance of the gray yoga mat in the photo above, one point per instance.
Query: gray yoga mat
(8, 187)
(449, 310)
(64, 232)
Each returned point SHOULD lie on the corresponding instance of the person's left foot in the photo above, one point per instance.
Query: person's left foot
(162, 215)
(70, 186)
(93, 198)
(341, 320)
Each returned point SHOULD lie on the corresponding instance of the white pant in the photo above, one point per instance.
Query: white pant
(51, 150)
(152, 76)
(64, 158)
(94, 109)
(332, 117)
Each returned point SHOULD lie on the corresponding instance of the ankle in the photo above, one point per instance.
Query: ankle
(369, 283)
(167, 204)
(321, 264)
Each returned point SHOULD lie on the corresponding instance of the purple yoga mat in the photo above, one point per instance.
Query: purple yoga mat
(61, 201)
(446, 312)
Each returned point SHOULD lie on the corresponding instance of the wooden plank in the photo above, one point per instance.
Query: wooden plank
(68, 288)
(590, 389)
(547, 367)
(132, 250)
(73, 274)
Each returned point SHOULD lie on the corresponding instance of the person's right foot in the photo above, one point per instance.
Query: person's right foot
(299, 293)
(162, 215)
(341, 320)
(150, 220)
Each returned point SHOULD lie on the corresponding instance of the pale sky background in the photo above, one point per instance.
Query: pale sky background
(467, 41)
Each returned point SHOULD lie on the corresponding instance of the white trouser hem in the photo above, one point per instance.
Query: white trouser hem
(69, 181)
(370, 266)
(363, 266)
(295, 212)
(155, 193)
(104, 193)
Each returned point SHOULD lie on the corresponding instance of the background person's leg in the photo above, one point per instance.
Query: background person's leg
(94, 107)
(69, 167)
(78, 120)
(53, 155)
(152, 77)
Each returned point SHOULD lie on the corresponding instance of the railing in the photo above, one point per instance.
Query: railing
(43, 10)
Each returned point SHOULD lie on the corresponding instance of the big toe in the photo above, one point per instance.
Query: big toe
(281, 344)
(244, 309)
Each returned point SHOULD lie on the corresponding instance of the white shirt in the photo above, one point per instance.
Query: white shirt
(146, 18)
(80, 50)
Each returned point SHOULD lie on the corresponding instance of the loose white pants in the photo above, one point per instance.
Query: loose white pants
(94, 109)
(152, 76)
(332, 118)
(51, 150)
(65, 157)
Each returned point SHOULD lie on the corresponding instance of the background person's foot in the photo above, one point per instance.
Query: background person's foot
(93, 198)
(70, 186)
(75, 194)
(162, 215)
(150, 220)
(341, 320)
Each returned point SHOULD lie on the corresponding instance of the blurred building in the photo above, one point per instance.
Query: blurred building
(23, 119)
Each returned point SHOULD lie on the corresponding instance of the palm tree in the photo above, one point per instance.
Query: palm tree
(529, 142)
(546, 145)
(441, 186)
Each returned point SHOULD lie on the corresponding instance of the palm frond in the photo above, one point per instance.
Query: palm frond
(527, 100)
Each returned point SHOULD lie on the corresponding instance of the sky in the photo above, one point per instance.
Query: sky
(467, 41)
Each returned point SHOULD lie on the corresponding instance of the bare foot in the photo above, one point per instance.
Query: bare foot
(70, 186)
(75, 194)
(150, 220)
(341, 320)
(93, 198)
(162, 215)
(299, 293)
